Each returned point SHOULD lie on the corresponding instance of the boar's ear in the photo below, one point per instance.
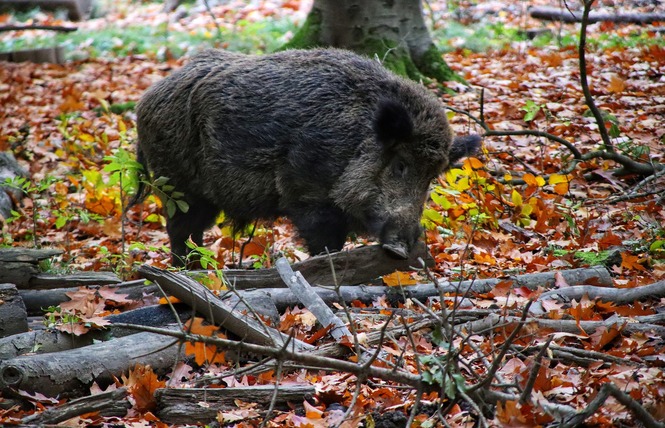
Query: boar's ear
(392, 122)
(463, 147)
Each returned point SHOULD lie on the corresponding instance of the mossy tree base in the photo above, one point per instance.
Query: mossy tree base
(416, 58)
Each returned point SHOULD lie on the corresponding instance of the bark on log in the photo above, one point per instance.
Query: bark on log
(19, 266)
(211, 307)
(305, 293)
(107, 404)
(284, 298)
(17, 273)
(47, 341)
(27, 255)
(620, 296)
(70, 373)
(183, 406)
(357, 266)
(49, 55)
(44, 281)
(36, 300)
(13, 317)
(564, 15)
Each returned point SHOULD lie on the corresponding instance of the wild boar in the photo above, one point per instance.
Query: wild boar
(328, 138)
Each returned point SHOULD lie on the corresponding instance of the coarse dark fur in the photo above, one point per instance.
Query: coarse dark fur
(328, 138)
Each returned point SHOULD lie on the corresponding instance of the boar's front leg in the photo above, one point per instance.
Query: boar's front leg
(183, 225)
(322, 227)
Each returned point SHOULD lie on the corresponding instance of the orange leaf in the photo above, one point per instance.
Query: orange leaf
(202, 352)
(603, 336)
(398, 278)
(142, 382)
(312, 412)
(628, 261)
(617, 84)
(502, 289)
(173, 300)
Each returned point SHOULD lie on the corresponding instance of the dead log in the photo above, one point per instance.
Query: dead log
(211, 307)
(629, 325)
(77, 10)
(184, 406)
(357, 266)
(27, 255)
(13, 317)
(44, 281)
(570, 16)
(36, 300)
(107, 404)
(48, 55)
(284, 298)
(20, 266)
(620, 296)
(47, 341)
(69, 374)
(59, 28)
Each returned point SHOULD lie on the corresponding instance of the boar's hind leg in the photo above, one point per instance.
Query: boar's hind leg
(200, 216)
(321, 228)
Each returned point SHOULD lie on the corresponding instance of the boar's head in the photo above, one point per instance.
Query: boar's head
(386, 184)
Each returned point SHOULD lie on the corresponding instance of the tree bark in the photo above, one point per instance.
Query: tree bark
(13, 317)
(392, 31)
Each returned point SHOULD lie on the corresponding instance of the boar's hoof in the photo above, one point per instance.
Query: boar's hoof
(397, 250)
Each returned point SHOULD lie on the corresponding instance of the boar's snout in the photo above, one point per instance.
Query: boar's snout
(397, 233)
(399, 242)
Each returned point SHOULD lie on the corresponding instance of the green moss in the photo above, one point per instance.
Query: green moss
(309, 34)
(433, 65)
(395, 58)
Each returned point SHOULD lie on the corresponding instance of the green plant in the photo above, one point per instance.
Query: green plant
(32, 190)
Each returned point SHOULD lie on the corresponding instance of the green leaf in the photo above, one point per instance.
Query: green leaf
(170, 208)
(531, 110)
(60, 222)
(160, 181)
(182, 205)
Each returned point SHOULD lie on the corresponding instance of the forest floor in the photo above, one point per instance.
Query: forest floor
(520, 207)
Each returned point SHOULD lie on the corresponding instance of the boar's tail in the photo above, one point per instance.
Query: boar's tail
(142, 176)
(463, 147)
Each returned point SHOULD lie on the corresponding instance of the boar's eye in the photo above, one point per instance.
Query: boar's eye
(399, 168)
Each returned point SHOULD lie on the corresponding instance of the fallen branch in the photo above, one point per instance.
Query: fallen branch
(110, 403)
(306, 294)
(630, 325)
(59, 28)
(569, 16)
(620, 296)
(215, 311)
(607, 390)
(284, 298)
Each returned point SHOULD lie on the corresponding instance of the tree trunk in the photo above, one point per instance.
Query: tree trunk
(392, 31)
